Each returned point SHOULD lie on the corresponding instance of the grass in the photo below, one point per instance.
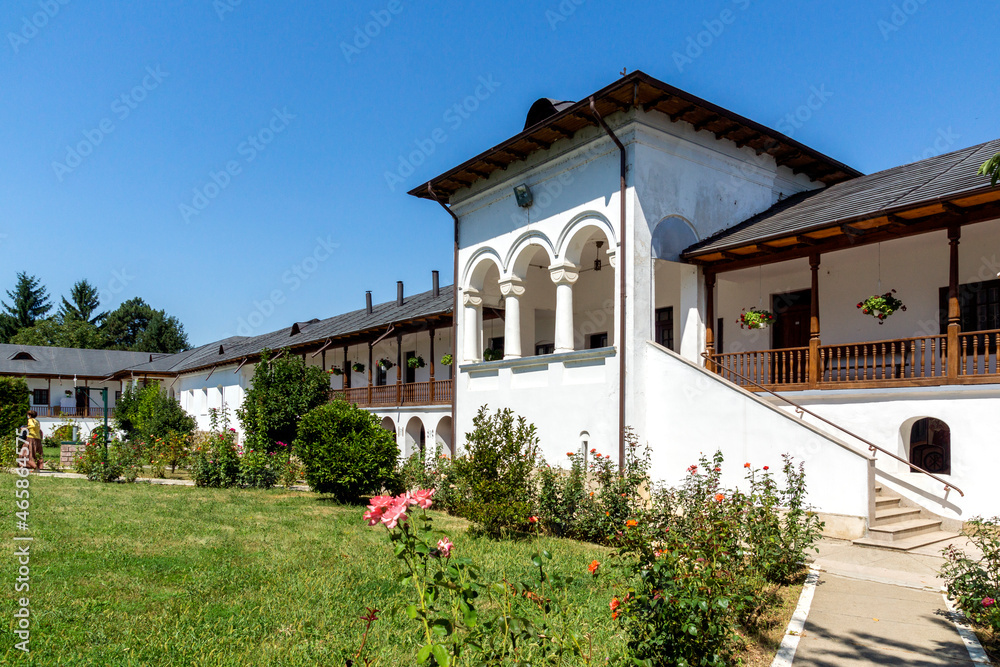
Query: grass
(160, 575)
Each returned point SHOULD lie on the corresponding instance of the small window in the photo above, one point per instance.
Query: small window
(22, 356)
(496, 344)
(411, 373)
(380, 376)
(930, 445)
(544, 348)
(979, 304)
(40, 397)
(118, 397)
(597, 341)
(665, 327)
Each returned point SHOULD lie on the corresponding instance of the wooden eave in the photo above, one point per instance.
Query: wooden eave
(863, 230)
(643, 91)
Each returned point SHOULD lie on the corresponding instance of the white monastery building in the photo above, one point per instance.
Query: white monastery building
(604, 259)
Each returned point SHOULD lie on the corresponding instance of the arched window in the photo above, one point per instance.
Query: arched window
(930, 445)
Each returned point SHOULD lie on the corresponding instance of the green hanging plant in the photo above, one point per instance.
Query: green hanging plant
(755, 318)
(415, 362)
(881, 306)
(490, 354)
(446, 360)
(358, 367)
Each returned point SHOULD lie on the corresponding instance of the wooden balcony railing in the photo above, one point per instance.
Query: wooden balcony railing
(919, 361)
(438, 392)
(91, 412)
(766, 367)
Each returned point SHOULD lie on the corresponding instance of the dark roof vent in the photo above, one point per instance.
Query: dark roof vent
(221, 351)
(22, 356)
(399, 292)
(299, 326)
(542, 109)
(435, 286)
(368, 302)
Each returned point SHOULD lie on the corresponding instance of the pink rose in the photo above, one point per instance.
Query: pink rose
(445, 546)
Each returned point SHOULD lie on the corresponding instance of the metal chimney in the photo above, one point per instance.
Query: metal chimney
(399, 292)
(435, 287)
(368, 302)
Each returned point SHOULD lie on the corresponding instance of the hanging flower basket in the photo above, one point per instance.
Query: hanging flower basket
(415, 362)
(490, 354)
(336, 371)
(385, 364)
(881, 306)
(446, 360)
(358, 368)
(755, 318)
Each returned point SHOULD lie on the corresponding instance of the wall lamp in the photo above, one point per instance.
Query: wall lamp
(523, 195)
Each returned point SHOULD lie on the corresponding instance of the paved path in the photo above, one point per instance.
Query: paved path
(861, 623)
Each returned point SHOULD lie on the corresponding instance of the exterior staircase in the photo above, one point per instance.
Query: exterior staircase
(901, 528)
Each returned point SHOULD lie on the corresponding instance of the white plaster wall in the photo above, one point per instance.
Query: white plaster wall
(436, 421)
(879, 415)
(201, 391)
(690, 411)
(562, 395)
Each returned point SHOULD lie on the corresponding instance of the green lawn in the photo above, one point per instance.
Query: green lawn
(159, 575)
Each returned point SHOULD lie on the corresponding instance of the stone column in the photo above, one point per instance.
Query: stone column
(472, 317)
(512, 289)
(954, 306)
(564, 275)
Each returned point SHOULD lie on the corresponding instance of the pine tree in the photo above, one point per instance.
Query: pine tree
(85, 301)
(30, 301)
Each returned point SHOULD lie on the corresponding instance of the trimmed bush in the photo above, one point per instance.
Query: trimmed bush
(14, 405)
(502, 451)
(346, 452)
(147, 413)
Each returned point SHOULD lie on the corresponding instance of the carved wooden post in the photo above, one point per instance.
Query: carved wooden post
(369, 373)
(399, 369)
(814, 368)
(346, 371)
(710, 318)
(432, 367)
(954, 308)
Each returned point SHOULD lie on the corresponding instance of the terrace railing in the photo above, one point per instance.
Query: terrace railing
(438, 392)
(973, 358)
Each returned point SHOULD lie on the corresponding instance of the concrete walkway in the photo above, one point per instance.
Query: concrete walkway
(879, 607)
(862, 623)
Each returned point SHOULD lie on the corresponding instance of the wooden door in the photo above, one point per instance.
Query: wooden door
(791, 313)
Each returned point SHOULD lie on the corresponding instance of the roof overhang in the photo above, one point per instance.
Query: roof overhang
(639, 90)
(926, 216)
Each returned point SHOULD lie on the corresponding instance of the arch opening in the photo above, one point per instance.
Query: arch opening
(929, 446)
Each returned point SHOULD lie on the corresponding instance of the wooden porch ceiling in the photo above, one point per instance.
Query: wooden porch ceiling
(928, 217)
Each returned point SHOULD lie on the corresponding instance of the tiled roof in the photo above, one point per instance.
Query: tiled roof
(69, 362)
(908, 186)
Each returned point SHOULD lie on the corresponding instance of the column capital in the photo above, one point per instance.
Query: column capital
(512, 287)
(613, 257)
(564, 273)
(471, 297)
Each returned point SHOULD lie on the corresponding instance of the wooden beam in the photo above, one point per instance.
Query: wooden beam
(477, 172)
(855, 232)
(559, 130)
(494, 163)
(769, 250)
(680, 113)
(544, 145)
(808, 240)
(656, 101)
(930, 223)
(710, 118)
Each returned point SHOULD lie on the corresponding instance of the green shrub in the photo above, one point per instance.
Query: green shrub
(63, 434)
(283, 390)
(8, 452)
(216, 462)
(14, 404)
(259, 470)
(502, 451)
(120, 461)
(146, 413)
(346, 452)
(974, 583)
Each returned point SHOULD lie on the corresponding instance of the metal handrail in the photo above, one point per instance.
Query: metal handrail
(872, 447)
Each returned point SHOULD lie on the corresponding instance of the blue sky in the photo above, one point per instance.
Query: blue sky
(210, 155)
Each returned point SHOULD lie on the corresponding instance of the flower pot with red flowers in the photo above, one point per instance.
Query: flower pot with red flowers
(385, 364)
(755, 318)
(358, 368)
(881, 306)
(336, 371)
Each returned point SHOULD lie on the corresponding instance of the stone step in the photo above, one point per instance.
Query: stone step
(908, 543)
(894, 532)
(887, 501)
(890, 515)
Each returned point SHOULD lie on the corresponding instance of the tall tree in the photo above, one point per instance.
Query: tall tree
(85, 301)
(68, 333)
(30, 301)
(137, 326)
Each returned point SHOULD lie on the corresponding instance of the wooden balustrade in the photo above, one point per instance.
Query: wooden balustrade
(91, 412)
(919, 361)
(885, 361)
(765, 367)
(412, 393)
(979, 353)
